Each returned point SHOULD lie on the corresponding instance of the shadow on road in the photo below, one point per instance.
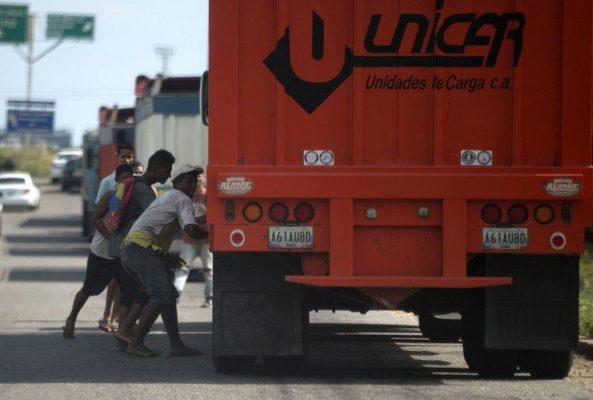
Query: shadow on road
(45, 275)
(54, 222)
(49, 252)
(62, 244)
(43, 239)
(46, 357)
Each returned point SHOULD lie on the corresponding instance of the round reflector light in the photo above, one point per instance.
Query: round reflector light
(517, 214)
(558, 241)
(491, 214)
(544, 214)
(252, 212)
(237, 238)
(278, 212)
(304, 212)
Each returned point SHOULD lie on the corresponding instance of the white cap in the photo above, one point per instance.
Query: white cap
(184, 169)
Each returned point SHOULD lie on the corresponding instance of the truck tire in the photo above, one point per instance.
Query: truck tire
(439, 329)
(549, 364)
(489, 363)
(234, 364)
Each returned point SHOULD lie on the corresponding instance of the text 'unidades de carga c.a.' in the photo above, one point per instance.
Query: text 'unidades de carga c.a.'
(449, 82)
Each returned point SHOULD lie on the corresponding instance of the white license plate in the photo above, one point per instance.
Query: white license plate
(290, 237)
(505, 238)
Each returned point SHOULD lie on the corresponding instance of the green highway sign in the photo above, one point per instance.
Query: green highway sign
(14, 21)
(70, 27)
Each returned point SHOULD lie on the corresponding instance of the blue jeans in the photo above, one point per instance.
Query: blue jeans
(189, 252)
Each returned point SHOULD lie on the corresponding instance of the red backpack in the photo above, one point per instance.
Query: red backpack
(118, 202)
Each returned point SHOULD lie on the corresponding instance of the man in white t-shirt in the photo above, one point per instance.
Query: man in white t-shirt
(124, 154)
(145, 257)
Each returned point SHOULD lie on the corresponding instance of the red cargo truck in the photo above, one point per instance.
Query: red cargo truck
(430, 156)
(119, 127)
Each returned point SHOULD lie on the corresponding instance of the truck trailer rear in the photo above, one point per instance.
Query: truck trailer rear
(429, 156)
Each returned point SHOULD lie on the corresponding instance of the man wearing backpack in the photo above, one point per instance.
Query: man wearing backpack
(158, 170)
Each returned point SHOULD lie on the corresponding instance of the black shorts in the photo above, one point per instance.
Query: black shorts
(148, 270)
(100, 271)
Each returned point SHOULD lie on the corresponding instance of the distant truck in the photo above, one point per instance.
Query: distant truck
(115, 126)
(429, 156)
(119, 127)
(168, 117)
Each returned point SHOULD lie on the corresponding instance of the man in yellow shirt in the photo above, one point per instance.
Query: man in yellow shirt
(145, 257)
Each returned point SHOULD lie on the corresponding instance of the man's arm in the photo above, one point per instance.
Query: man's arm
(195, 231)
(101, 191)
(107, 184)
(99, 212)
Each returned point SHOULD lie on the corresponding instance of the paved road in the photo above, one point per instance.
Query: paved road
(41, 267)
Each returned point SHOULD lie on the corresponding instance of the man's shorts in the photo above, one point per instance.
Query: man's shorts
(148, 269)
(100, 271)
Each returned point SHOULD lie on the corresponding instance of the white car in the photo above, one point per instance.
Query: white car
(17, 189)
(59, 161)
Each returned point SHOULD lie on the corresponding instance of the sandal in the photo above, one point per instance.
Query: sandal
(104, 325)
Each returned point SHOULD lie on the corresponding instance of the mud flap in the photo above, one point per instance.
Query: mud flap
(539, 311)
(255, 311)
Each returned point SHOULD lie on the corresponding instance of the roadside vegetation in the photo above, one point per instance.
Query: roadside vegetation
(35, 160)
(586, 298)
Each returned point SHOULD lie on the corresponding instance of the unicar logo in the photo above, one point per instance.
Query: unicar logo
(430, 48)
(235, 185)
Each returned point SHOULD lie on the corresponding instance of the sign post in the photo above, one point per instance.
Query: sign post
(14, 23)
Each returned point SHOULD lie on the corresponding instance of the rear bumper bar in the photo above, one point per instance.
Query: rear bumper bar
(399, 282)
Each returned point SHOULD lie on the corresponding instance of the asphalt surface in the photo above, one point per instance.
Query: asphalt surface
(379, 355)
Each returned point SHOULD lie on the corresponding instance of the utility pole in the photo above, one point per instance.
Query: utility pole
(29, 57)
(30, 40)
(164, 53)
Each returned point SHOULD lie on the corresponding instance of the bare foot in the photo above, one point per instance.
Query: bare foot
(184, 351)
(122, 336)
(120, 345)
(140, 351)
(68, 329)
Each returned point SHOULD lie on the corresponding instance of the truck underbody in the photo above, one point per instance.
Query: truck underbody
(531, 324)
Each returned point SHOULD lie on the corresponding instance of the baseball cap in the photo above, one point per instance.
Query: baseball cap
(184, 169)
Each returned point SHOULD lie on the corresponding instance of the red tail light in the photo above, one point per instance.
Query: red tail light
(278, 212)
(25, 191)
(491, 214)
(517, 214)
(558, 241)
(304, 212)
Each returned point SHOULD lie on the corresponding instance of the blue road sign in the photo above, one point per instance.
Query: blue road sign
(29, 121)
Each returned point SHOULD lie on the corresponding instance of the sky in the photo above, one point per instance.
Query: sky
(81, 76)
